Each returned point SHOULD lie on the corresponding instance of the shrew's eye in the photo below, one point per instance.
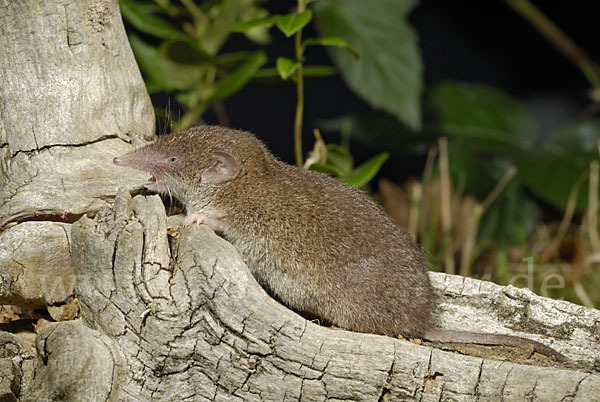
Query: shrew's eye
(173, 159)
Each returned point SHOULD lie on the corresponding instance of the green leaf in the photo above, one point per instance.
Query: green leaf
(220, 27)
(286, 67)
(161, 72)
(140, 17)
(325, 168)
(318, 71)
(258, 34)
(177, 73)
(291, 23)
(365, 172)
(228, 60)
(244, 26)
(580, 138)
(341, 158)
(484, 116)
(184, 52)
(239, 77)
(307, 71)
(388, 74)
(551, 173)
(551, 177)
(333, 41)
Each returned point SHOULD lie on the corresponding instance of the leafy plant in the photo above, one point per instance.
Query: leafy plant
(292, 24)
(186, 59)
(388, 74)
(337, 161)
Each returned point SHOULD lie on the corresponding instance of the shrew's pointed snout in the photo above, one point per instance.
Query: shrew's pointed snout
(125, 160)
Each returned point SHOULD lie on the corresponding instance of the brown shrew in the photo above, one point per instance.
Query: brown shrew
(322, 247)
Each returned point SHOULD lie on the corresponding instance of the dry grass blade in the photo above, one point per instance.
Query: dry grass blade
(446, 207)
(416, 195)
(593, 208)
(395, 201)
(550, 251)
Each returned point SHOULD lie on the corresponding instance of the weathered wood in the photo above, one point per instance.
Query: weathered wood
(16, 366)
(31, 275)
(71, 99)
(188, 322)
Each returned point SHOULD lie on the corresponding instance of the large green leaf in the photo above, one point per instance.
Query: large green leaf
(483, 115)
(552, 172)
(579, 138)
(388, 73)
(478, 172)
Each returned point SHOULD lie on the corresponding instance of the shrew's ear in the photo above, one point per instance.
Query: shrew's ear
(224, 168)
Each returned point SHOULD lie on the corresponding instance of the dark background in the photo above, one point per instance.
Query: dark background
(473, 41)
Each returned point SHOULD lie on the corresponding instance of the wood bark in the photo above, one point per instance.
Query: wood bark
(177, 315)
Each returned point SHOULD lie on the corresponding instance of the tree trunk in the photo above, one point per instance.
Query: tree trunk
(71, 98)
(171, 315)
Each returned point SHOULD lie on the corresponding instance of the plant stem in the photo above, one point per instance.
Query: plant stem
(299, 94)
(446, 207)
(510, 173)
(469, 245)
(593, 207)
(201, 20)
(554, 35)
(552, 249)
